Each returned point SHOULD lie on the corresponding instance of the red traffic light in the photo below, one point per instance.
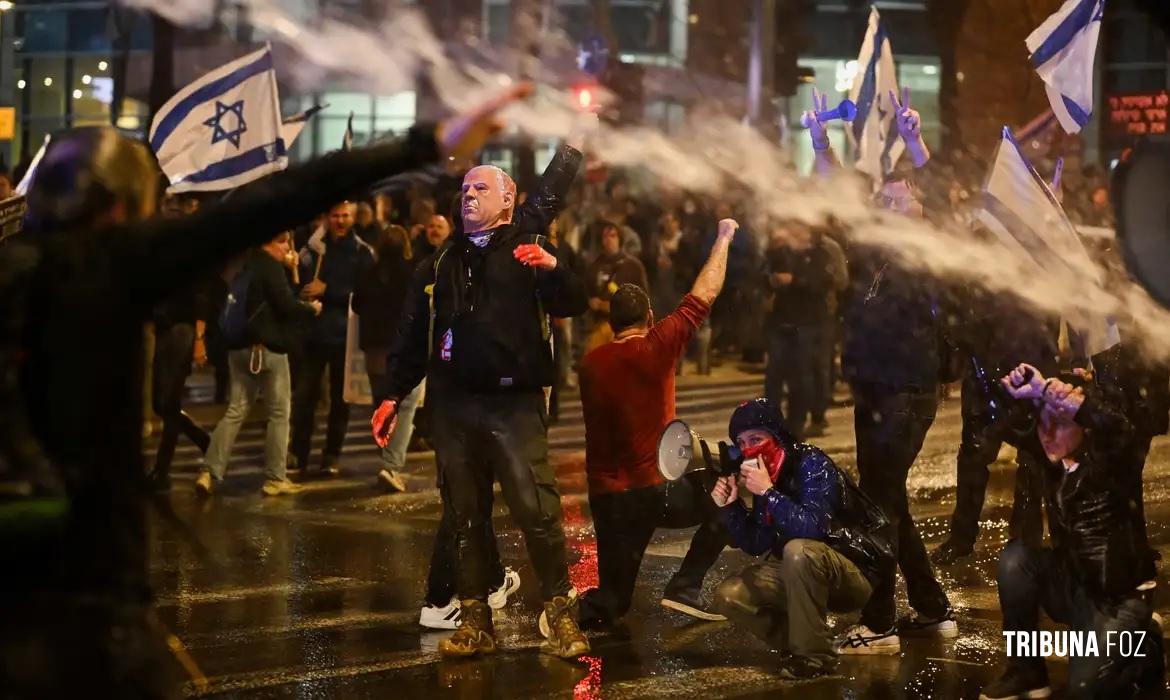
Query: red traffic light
(584, 98)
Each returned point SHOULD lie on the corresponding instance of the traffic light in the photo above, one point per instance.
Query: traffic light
(586, 96)
(789, 41)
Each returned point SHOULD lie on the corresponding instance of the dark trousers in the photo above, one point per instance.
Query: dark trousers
(890, 427)
(308, 393)
(977, 451)
(1030, 578)
(792, 355)
(441, 579)
(483, 438)
(173, 350)
(624, 522)
(822, 372)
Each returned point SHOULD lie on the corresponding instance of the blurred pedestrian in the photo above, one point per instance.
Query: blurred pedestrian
(259, 360)
(329, 272)
(377, 300)
(613, 268)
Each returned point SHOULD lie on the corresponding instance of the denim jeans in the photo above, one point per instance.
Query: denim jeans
(273, 379)
(394, 454)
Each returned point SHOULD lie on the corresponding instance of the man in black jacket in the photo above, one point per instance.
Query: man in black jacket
(330, 270)
(274, 315)
(1091, 578)
(475, 323)
(800, 277)
(891, 359)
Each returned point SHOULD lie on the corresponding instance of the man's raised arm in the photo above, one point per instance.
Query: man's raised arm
(710, 280)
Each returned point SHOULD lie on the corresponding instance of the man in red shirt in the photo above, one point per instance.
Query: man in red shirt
(627, 392)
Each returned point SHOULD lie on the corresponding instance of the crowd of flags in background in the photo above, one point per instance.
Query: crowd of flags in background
(225, 130)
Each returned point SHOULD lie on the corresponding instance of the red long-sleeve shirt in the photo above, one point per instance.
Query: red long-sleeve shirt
(627, 393)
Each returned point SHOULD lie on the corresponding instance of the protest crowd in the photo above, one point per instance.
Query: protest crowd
(466, 313)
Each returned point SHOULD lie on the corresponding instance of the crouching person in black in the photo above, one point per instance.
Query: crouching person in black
(1089, 579)
(827, 539)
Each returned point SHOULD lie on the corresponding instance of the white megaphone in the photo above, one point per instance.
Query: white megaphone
(682, 451)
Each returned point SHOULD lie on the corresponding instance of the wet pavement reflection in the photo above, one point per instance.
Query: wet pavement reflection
(316, 596)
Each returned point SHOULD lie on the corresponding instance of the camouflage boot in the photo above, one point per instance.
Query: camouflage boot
(565, 638)
(475, 634)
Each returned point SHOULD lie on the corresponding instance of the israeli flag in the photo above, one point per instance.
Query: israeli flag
(292, 126)
(223, 130)
(1022, 212)
(1063, 50)
(875, 130)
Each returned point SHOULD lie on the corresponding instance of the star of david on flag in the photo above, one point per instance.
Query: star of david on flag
(219, 133)
(224, 129)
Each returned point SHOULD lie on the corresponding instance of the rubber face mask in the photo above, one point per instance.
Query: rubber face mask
(771, 453)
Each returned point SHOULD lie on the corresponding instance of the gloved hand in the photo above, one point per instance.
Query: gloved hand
(384, 422)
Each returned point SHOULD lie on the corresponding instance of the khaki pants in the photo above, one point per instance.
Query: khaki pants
(785, 602)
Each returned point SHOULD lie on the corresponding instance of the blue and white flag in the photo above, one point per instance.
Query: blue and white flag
(1063, 50)
(292, 126)
(874, 131)
(223, 130)
(1023, 213)
(347, 139)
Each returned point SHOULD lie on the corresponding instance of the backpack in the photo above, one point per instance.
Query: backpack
(233, 321)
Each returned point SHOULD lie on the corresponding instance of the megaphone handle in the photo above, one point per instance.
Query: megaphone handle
(707, 459)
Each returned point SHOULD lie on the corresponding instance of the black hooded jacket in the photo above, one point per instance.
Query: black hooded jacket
(489, 328)
(1090, 508)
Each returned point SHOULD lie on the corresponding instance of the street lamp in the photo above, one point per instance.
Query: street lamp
(5, 5)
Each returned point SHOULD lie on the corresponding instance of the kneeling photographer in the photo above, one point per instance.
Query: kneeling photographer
(826, 542)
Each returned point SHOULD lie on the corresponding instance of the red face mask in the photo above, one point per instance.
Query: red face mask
(771, 455)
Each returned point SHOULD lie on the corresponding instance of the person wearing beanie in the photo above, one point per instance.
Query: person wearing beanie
(828, 541)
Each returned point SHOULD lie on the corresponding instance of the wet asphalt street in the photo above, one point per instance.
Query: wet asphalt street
(317, 595)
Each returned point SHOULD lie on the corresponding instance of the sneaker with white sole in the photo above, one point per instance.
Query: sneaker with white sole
(860, 639)
(441, 618)
(280, 487)
(203, 484)
(498, 598)
(919, 626)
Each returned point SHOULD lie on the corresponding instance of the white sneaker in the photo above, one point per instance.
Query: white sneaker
(444, 618)
(542, 623)
(203, 485)
(860, 639)
(919, 626)
(498, 598)
(283, 487)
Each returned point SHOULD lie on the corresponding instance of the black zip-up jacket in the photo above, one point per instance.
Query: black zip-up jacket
(73, 304)
(345, 262)
(1089, 509)
(805, 300)
(488, 329)
(891, 334)
(275, 315)
(813, 499)
(379, 296)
